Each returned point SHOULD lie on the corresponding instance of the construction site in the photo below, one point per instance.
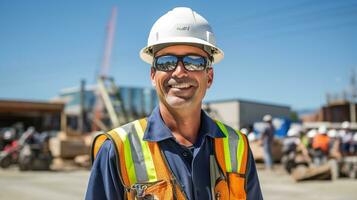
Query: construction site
(45, 146)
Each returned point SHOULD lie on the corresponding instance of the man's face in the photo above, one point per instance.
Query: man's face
(181, 88)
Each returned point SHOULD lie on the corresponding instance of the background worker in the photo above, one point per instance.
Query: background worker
(172, 153)
(335, 144)
(320, 145)
(310, 135)
(294, 151)
(267, 138)
(346, 138)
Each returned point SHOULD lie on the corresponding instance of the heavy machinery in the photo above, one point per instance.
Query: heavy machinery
(108, 94)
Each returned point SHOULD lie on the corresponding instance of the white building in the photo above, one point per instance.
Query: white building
(239, 113)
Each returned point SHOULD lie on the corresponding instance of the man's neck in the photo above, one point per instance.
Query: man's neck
(184, 123)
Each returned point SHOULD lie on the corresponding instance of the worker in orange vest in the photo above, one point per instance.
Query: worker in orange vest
(320, 145)
(178, 152)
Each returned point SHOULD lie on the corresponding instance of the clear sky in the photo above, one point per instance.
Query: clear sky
(287, 52)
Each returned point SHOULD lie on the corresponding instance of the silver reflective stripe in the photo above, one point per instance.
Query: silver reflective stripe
(233, 145)
(136, 153)
(214, 174)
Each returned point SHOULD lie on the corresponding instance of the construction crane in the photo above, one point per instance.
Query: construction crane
(107, 94)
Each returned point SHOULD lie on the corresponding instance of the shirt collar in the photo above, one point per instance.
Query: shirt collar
(157, 130)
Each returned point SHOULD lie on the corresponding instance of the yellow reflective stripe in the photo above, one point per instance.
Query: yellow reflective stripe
(227, 155)
(149, 162)
(129, 163)
(240, 149)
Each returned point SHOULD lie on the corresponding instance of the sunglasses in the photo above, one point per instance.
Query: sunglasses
(191, 62)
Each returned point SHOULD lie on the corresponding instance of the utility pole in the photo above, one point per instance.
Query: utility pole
(82, 110)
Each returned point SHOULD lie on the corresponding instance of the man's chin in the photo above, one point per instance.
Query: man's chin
(178, 102)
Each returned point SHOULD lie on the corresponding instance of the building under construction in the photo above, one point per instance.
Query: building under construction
(135, 102)
(339, 107)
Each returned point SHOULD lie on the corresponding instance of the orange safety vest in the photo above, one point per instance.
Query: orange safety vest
(145, 174)
(321, 141)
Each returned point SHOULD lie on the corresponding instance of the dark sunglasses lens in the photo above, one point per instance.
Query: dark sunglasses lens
(166, 63)
(194, 63)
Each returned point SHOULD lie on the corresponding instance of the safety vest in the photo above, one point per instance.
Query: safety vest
(145, 173)
(321, 141)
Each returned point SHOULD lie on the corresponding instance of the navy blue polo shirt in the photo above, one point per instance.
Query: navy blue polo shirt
(190, 165)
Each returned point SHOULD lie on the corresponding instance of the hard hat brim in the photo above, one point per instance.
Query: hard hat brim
(146, 54)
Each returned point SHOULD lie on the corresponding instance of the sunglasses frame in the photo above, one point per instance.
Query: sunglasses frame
(208, 62)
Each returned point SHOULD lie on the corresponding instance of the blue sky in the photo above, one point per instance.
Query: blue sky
(287, 52)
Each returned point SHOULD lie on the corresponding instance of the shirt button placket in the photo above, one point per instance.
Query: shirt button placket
(185, 153)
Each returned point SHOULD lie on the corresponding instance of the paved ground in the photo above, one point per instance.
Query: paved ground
(42, 185)
(72, 185)
(277, 185)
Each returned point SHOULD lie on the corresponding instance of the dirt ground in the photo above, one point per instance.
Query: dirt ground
(72, 185)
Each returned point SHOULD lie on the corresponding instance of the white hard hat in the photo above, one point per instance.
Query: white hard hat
(252, 137)
(267, 118)
(332, 133)
(345, 125)
(293, 132)
(244, 131)
(181, 26)
(322, 129)
(311, 133)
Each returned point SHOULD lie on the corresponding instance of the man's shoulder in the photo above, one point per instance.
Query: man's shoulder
(229, 128)
(127, 126)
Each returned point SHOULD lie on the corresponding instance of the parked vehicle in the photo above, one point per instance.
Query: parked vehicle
(31, 152)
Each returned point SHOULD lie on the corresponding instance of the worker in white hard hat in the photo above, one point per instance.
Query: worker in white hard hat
(346, 138)
(266, 139)
(291, 141)
(178, 152)
(335, 144)
(320, 145)
(293, 148)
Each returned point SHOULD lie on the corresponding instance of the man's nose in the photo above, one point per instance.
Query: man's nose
(180, 70)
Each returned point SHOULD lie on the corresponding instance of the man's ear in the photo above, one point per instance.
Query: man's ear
(210, 75)
(152, 76)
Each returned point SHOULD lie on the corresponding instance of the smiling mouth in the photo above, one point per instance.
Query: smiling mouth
(180, 86)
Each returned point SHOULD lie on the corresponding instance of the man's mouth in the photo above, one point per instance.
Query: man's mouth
(180, 85)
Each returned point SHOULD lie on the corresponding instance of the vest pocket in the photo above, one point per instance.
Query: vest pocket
(151, 191)
(221, 191)
(234, 188)
(237, 186)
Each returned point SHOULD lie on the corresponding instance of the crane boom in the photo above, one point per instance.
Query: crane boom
(109, 44)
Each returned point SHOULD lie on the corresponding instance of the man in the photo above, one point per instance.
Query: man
(346, 138)
(267, 139)
(320, 145)
(334, 144)
(178, 152)
(294, 150)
